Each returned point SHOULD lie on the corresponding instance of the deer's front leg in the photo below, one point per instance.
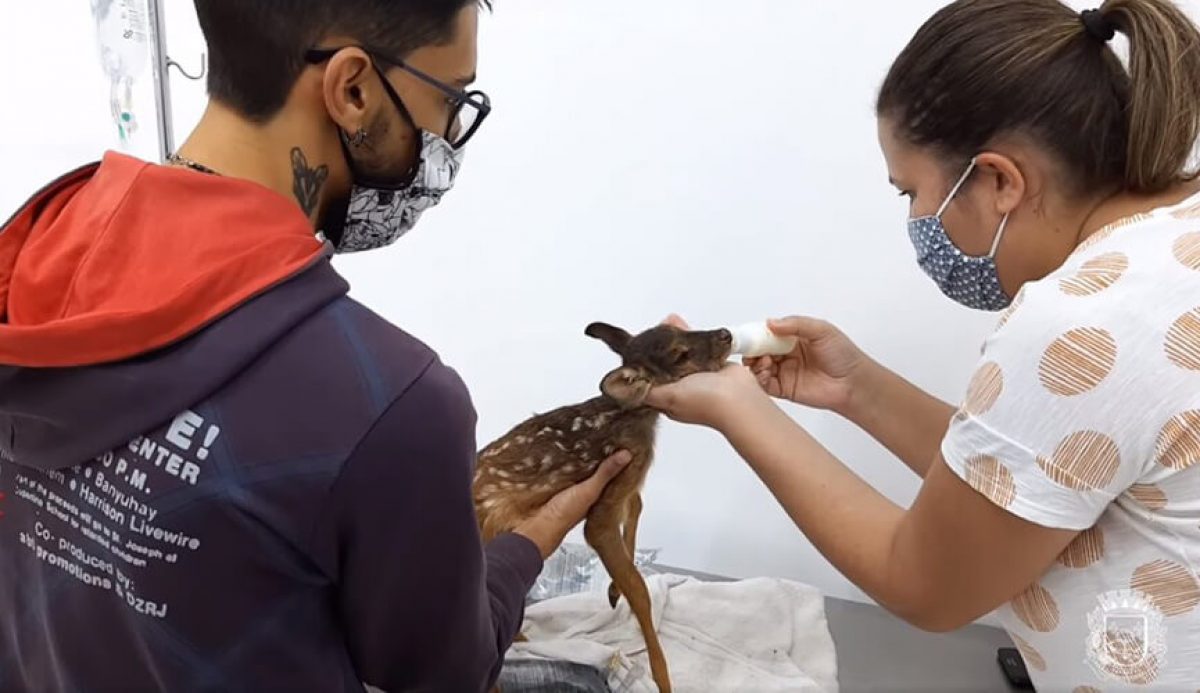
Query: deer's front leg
(633, 513)
(603, 533)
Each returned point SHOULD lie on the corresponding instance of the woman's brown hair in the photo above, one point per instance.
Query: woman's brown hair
(979, 69)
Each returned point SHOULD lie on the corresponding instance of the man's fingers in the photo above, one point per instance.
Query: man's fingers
(609, 469)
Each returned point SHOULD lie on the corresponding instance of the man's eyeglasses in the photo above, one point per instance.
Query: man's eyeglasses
(468, 109)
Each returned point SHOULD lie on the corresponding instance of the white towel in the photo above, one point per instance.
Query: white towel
(756, 635)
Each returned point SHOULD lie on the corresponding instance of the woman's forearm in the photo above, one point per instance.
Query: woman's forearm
(904, 418)
(849, 522)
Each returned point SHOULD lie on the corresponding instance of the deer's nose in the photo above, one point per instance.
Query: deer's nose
(725, 336)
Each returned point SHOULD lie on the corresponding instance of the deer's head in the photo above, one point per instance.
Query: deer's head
(658, 356)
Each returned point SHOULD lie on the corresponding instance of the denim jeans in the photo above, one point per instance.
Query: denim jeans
(544, 676)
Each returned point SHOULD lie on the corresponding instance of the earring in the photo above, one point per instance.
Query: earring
(359, 138)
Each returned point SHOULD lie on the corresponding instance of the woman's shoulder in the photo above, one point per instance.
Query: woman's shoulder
(1139, 276)
(1119, 321)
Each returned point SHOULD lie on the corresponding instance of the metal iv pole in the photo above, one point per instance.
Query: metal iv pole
(162, 80)
(162, 63)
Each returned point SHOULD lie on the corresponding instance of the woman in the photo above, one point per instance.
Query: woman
(1044, 176)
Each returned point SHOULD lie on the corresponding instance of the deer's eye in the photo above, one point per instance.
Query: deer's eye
(681, 356)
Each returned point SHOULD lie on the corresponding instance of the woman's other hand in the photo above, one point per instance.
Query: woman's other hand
(821, 372)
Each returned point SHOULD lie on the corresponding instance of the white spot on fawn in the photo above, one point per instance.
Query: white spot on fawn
(608, 450)
(502, 474)
(521, 440)
(547, 461)
(577, 423)
(560, 446)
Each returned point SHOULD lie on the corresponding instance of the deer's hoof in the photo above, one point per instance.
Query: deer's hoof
(613, 595)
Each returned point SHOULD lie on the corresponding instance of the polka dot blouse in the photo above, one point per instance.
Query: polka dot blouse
(1084, 414)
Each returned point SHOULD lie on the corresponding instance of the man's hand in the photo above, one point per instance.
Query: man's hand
(550, 525)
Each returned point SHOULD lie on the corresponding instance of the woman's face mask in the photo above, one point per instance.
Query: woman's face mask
(969, 280)
(379, 212)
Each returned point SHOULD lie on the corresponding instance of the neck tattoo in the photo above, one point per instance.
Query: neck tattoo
(307, 182)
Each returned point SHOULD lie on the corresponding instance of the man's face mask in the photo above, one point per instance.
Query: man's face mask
(971, 281)
(379, 212)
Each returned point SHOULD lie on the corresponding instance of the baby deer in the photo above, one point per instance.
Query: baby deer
(521, 471)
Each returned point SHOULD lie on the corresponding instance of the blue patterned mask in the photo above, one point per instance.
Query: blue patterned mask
(969, 280)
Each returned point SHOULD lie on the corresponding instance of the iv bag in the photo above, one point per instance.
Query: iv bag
(123, 33)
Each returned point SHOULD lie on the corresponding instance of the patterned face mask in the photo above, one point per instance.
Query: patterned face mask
(378, 216)
(969, 280)
(379, 213)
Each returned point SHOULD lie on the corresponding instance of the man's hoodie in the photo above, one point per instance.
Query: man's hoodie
(217, 471)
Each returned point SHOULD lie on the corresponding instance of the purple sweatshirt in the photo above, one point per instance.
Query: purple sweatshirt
(274, 498)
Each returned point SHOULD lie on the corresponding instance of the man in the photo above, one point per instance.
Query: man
(217, 471)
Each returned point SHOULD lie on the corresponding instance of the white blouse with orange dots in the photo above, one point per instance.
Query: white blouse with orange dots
(1084, 414)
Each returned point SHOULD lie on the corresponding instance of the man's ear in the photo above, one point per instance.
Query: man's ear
(627, 386)
(616, 338)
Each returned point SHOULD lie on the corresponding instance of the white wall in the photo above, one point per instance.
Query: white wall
(708, 157)
(711, 158)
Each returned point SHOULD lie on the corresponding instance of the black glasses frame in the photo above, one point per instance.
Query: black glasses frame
(459, 98)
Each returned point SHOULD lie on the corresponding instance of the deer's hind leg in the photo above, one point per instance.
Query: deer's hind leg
(633, 513)
(603, 533)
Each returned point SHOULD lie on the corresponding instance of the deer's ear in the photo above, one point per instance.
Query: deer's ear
(627, 386)
(616, 338)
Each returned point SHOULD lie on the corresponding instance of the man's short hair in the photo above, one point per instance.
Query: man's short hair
(256, 47)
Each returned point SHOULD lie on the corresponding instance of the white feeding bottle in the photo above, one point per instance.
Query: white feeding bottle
(756, 339)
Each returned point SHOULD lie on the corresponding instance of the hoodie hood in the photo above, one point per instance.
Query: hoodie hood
(121, 258)
(130, 291)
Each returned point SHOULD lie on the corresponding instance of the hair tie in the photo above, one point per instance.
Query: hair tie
(1098, 26)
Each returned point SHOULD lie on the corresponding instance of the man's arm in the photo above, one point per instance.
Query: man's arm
(424, 607)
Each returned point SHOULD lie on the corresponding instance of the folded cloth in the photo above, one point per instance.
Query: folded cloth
(758, 635)
(546, 676)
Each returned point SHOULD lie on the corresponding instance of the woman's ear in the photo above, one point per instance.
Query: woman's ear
(1009, 185)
